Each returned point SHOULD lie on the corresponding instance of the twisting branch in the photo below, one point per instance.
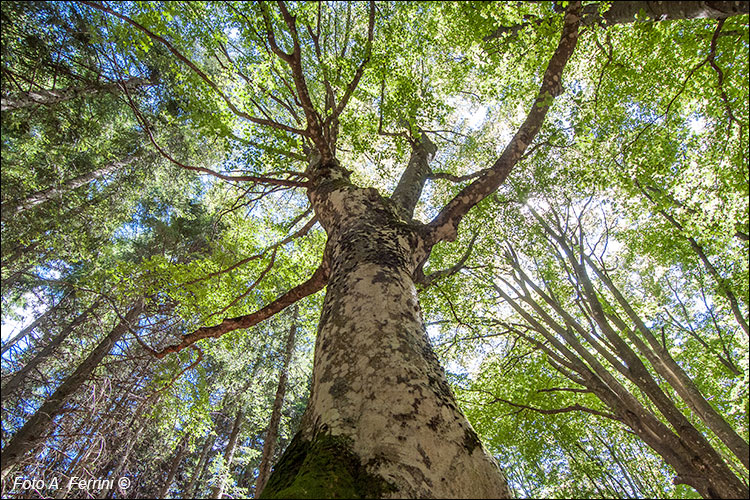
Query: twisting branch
(316, 282)
(574, 407)
(445, 225)
(314, 128)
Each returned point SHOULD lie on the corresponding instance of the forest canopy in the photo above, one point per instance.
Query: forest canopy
(375, 249)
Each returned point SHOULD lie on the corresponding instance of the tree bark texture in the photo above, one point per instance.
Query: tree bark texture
(35, 427)
(623, 12)
(382, 420)
(269, 442)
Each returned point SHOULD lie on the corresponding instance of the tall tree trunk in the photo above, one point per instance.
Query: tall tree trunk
(33, 430)
(46, 97)
(41, 319)
(673, 373)
(683, 447)
(269, 443)
(218, 490)
(176, 461)
(382, 419)
(17, 378)
(189, 491)
(39, 197)
(124, 449)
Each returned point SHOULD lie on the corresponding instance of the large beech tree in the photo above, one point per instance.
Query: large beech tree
(302, 108)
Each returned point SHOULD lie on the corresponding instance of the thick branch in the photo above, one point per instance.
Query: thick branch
(431, 278)
(409, 188)
(316, 282)
(626, 12)
(445, 225)
(314, 128)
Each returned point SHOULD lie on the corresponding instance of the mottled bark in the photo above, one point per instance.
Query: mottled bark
(35, 427)
(46, 97)
(382, 418)
(269, 442)
(174, 466)
(19, 376)
(218, 490)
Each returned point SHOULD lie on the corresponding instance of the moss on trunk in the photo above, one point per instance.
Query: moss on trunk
(323, 468)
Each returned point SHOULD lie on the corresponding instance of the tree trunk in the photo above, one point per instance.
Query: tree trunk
(41, 319)
(49, 97)
(35, 427)
(124, 449)
(218, 490)
(176, 461)
(200, 467)
(382, 419)
(39, 197)
(269, 443)
(673, 373)
(15, 380)
(695, 461)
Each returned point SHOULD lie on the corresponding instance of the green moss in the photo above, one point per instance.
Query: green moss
(323, 468)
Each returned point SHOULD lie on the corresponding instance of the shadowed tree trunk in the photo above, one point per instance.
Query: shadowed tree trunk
(623, 12)
(269, 442)
(39, 197)
(176, 461)
(23, 100)
(35, 427)
(17, 378)
(218, 490)
(190, 489)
